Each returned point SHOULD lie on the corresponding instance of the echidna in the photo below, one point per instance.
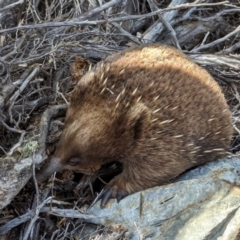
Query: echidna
(150, 108)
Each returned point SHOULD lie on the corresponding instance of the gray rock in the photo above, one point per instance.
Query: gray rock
(202, 204)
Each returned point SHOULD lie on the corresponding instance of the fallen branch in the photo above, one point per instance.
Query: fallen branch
(76, 22)
(209, 45)
(10, 6)
(34, 215)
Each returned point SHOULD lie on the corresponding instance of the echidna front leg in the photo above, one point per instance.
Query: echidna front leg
(119, 187)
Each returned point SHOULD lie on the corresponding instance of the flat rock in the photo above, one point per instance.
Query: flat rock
(202, 204)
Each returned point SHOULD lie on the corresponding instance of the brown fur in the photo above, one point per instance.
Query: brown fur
(150, 108)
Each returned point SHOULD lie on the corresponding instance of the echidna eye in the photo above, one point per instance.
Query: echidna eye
(73, 161)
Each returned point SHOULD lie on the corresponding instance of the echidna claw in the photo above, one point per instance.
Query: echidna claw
(106, 194)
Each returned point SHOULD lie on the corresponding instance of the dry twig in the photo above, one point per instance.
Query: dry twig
(35, 79)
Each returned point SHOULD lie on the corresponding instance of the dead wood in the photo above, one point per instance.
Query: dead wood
(39, 42)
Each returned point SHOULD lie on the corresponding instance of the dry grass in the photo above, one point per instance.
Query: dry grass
(39, 42)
